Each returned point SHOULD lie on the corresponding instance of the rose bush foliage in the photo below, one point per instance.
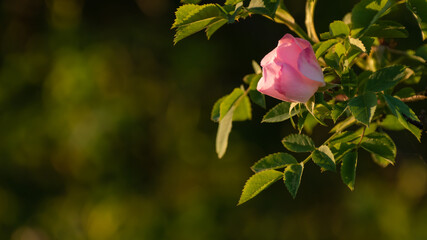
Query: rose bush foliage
(350, 80)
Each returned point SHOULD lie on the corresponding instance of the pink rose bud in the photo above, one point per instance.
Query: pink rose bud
(291, 72)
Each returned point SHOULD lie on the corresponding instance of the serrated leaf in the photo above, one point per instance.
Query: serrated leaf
(400, 110)
(182, 12)
(348, 169)
(337, 110)
(298, 143)
(367, 12)
(273, 161)
(325, 46)
(292, 178)
(419, 10)
(368, 42)
(339, 28)
(192, 18)
(357, 43)
(324, 158)
(346, 136)
(387, 29)
(363, 107)
(243, 110)
(342, 148)
(264, 7)
(380, 144)
(349, 83)
(257, 183)
(279, 113)
(213, 27)
(191, 28)
(224, 129)
(228, 101)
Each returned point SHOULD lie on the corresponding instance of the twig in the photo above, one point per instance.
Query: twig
(414, 98)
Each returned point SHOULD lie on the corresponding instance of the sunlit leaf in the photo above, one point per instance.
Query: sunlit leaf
(273, 161)
(324, 158)
(298, 143)
(292, 178)
(348, 169)
(258, 182)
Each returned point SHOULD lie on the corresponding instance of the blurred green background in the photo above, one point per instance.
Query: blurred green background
(105, 134)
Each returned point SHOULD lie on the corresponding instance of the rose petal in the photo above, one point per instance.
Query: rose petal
(309, 67)
(268, 58)
(266, 83)
(288, 51)
(294, 86)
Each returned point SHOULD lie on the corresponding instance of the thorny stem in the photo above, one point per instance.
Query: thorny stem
(307, 159)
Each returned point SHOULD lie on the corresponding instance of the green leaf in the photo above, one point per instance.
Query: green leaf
(324, 158)
(243, 110)
(264, 7)
(337, 110)
(273, 161)
(391, 122)
(419, 10)
(405, 92)
(357, 43)
(382, 162)
(347, 136)
(400, 110)
(348, 169)
(257, 183)
(342, 148)
(385, 78)
(325, 46)
(279, 113)
(248, 79)
(363, 107)
(298, 143)
(215, 114)
(387, 29)
(366, 13)
(232, 2)
(380, 144)
(229, 101)
(367, 42)
(224, 129)
(191, 18)
(213, 27)
(349, 83)
(257, 68)
(257, 98)
(339, 28)
(292, 178)
(422, 52)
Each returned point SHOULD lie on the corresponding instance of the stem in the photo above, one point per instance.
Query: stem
(309, 15)
(414, 98)
(403, 53)
(307, 159)
(361, 137)
(284, 17)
